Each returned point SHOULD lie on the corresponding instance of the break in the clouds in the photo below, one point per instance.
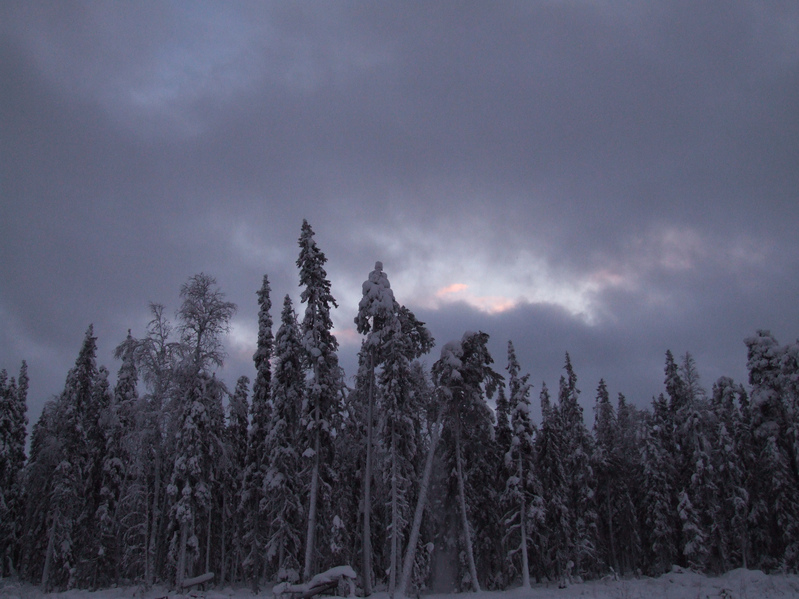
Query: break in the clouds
(605, 178)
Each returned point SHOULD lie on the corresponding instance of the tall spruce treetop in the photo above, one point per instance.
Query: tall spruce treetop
(605, 422)
(317, 338)
(125, 391)
(519, 403)
(568, 395)
(675, 386)
(263, 353)
(260, 407)
(764, 356)
(377, 308)
(13, 426)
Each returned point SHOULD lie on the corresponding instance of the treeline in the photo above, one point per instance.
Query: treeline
(409, 476)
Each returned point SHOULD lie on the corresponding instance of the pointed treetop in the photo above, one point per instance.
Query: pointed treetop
(377, 309)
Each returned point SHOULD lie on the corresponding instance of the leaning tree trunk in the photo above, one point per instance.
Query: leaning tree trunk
(410, 552)
(310, 538)
(467, 536)
(523, 522)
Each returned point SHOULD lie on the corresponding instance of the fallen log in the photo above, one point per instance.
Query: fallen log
(200, 580)
(325, 582)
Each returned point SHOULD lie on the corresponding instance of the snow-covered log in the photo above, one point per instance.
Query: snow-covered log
(322, 582)
(198, 580)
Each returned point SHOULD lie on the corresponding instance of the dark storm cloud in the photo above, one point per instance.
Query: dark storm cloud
(609, 179)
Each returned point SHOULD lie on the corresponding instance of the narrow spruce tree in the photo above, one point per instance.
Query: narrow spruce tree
(325, 385)
(232, 517)
(377, 316)
(464, 376)
(403, 410)
(580, 492)
(283, 491)
(522, 493)
(658, 500)
(67, 499)
(13, 431)
(255, 522)
(627, 459)
(607, 472)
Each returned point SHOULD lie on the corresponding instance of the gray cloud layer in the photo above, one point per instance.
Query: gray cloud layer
(612, 179)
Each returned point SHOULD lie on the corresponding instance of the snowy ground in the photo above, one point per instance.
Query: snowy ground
(738, 584)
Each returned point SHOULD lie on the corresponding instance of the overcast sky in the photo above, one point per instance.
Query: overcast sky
(612, 179)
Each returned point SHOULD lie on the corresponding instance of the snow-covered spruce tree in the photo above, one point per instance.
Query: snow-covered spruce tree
(282, 484)
(67, 501)
(627, 458)
(394, 337)
(697, 478)
(196, 473)
(325, 385)
(97, 558)
(13, 431)
(464, 377)
(694, 539)
(199, 444)
(607, 472)
(377, 316)
(232, 521)
(551, 457)
(731, 511)
(401, 419)
(578, 446)
(658, 506)
(45, 454)
(773, 372)
(251, 505)
(522, 493)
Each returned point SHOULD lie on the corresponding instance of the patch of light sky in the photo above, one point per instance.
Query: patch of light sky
(435, 273)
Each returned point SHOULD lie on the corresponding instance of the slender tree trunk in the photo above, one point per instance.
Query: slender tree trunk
(744, 546)
(523, 522)
(208, 543)
(149, 577)
(181, 566)
(223, 548)
(392, 581)
(410, 551)
(48, 560)
(310, 538)
(367, 487)
(467, 535)
(610, 535)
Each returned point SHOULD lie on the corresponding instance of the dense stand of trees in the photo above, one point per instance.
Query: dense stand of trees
(410, 475)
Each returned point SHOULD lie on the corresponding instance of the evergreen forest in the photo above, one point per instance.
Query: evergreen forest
(415, 476)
